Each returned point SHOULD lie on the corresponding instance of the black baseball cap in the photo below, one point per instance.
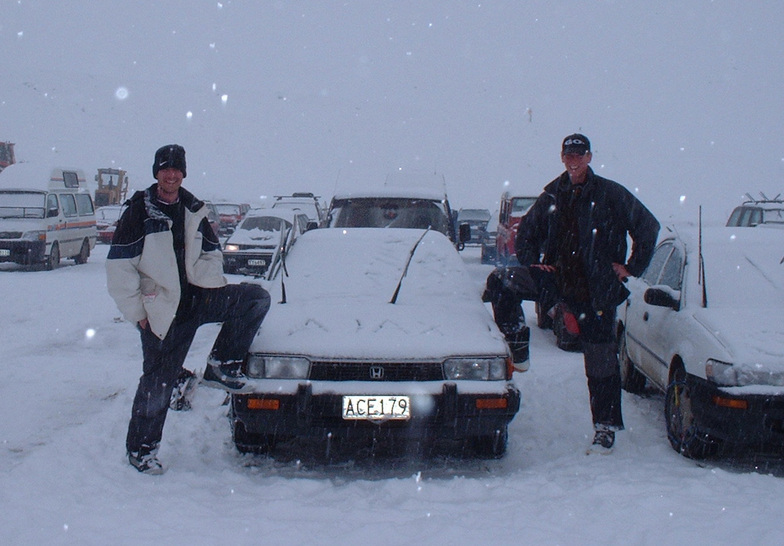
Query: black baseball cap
(576, 144)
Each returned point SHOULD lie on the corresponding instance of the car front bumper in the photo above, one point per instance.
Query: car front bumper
(738, 418)
(316, 413)
(22, 252)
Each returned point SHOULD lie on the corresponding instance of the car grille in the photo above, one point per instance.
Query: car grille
(376, 371)
(10, 234)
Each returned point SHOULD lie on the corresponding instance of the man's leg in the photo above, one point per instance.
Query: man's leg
(162, 363)
(241, 308)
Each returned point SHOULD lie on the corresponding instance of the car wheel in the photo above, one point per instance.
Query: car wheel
(631, 379)
(53, 260)
(492, 446)
(84, 253)
(682, 427)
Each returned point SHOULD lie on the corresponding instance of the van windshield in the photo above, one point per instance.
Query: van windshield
(18, 204)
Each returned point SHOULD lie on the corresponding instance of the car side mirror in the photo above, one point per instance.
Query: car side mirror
(52, 213)
(662, 297)
(311, 225)
(464, 232)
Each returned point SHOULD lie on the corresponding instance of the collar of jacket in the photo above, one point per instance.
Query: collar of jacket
(186, 198)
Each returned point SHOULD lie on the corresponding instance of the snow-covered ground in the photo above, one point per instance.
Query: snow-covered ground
(70, 367)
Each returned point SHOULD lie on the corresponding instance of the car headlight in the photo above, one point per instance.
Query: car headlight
(231, 248)
(34, 236)
(721, 373)
(278, 367)
(475, 369)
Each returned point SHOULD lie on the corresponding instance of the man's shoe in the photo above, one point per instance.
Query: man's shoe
(228, 377)
(146, 461)
(603, 441)
(519, 345)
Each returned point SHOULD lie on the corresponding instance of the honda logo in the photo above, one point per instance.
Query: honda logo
(376, 372)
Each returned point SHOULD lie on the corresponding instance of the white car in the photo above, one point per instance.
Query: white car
(255, 245)
(705, 325)
(376, 334)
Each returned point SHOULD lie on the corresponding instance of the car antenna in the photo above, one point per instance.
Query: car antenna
(702, 260)
(405, 269)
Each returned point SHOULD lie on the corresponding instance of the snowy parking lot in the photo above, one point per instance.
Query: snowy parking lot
(70, 366)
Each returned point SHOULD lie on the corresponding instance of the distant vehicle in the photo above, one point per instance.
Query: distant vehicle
(254, 247)
(106, 222)
(303, 201)
(376, 335)
(45, 215)
(229, 216)
(489, 250)
(112, 187)
(477, 219)
(512, 209)
(704, 325)
(755, 212)
(212, 217)
(396, 206)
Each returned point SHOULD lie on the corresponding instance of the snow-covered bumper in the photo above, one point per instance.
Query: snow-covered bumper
(355, 409)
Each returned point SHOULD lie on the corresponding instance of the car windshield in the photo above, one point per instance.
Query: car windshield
(264, 223)
(14, 204)
(521, 205)
(389, 212)
(228, 210)
(473, 215)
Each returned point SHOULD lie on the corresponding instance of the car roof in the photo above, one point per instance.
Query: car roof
(284, 213)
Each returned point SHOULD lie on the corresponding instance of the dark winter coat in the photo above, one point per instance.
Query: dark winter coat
(606, 212)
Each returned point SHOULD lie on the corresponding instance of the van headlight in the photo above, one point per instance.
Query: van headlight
(34, 236)
(475, 369)
(278, 367)
(721, 373)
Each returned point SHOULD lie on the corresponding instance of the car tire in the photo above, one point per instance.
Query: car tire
(492, 446)
(631, 379)
(84, 253)
(53, 260)
(683, 429)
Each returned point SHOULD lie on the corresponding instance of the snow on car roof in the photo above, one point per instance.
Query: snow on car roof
(338, 294)
(284, 213)
(392, 191)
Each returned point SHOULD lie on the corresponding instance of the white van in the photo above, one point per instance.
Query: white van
(45, 215)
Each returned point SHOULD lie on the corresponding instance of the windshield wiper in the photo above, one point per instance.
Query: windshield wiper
(408, 262)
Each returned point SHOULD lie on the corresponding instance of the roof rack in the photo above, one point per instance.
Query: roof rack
(763, 199)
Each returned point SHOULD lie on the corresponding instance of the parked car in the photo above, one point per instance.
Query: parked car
(106, 222)
(755, 212)
(305, 202)
(396, 207)
(477, 219)
(229, 216)
(212, 217)
(254, 247)
(704, 324)
(376, 334)
(512, 209)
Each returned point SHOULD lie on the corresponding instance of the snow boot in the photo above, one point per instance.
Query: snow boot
(183, 390)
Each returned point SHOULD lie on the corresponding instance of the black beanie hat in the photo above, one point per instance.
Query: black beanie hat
(171, 156)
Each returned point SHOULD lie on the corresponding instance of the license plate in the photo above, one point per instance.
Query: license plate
(257, 262)
(376, 407)
(5, 252)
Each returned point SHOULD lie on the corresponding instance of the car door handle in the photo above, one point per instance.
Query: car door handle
(645, 316)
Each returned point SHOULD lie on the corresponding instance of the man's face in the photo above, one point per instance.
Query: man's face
(169, 182)
(576, 165)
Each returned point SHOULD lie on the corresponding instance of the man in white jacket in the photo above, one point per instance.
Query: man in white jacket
(165, 272)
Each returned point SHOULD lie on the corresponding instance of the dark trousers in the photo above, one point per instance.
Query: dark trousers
(240, 307)
(600, 354)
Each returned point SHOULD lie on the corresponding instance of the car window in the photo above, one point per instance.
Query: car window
(68, 203)
(85, 204)
(672, 272)
(772, 216)
(654, 269)
(734, 219)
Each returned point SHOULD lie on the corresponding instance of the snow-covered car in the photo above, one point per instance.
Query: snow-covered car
(229, 216)
(758, 212)
(254, 247)
(376, 334)
(705, 325)
(305, 202)
(106, 222)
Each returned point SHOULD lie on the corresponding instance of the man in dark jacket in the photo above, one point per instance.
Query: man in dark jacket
(576, 232)
(165, 272)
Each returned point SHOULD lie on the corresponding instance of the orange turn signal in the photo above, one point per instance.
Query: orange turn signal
(263, 403)
(491, 403)
(733, 403)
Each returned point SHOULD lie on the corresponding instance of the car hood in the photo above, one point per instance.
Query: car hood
(339, 291)
(752, 337)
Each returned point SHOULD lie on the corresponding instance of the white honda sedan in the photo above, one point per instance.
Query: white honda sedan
(705, 325)
(376, 334)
